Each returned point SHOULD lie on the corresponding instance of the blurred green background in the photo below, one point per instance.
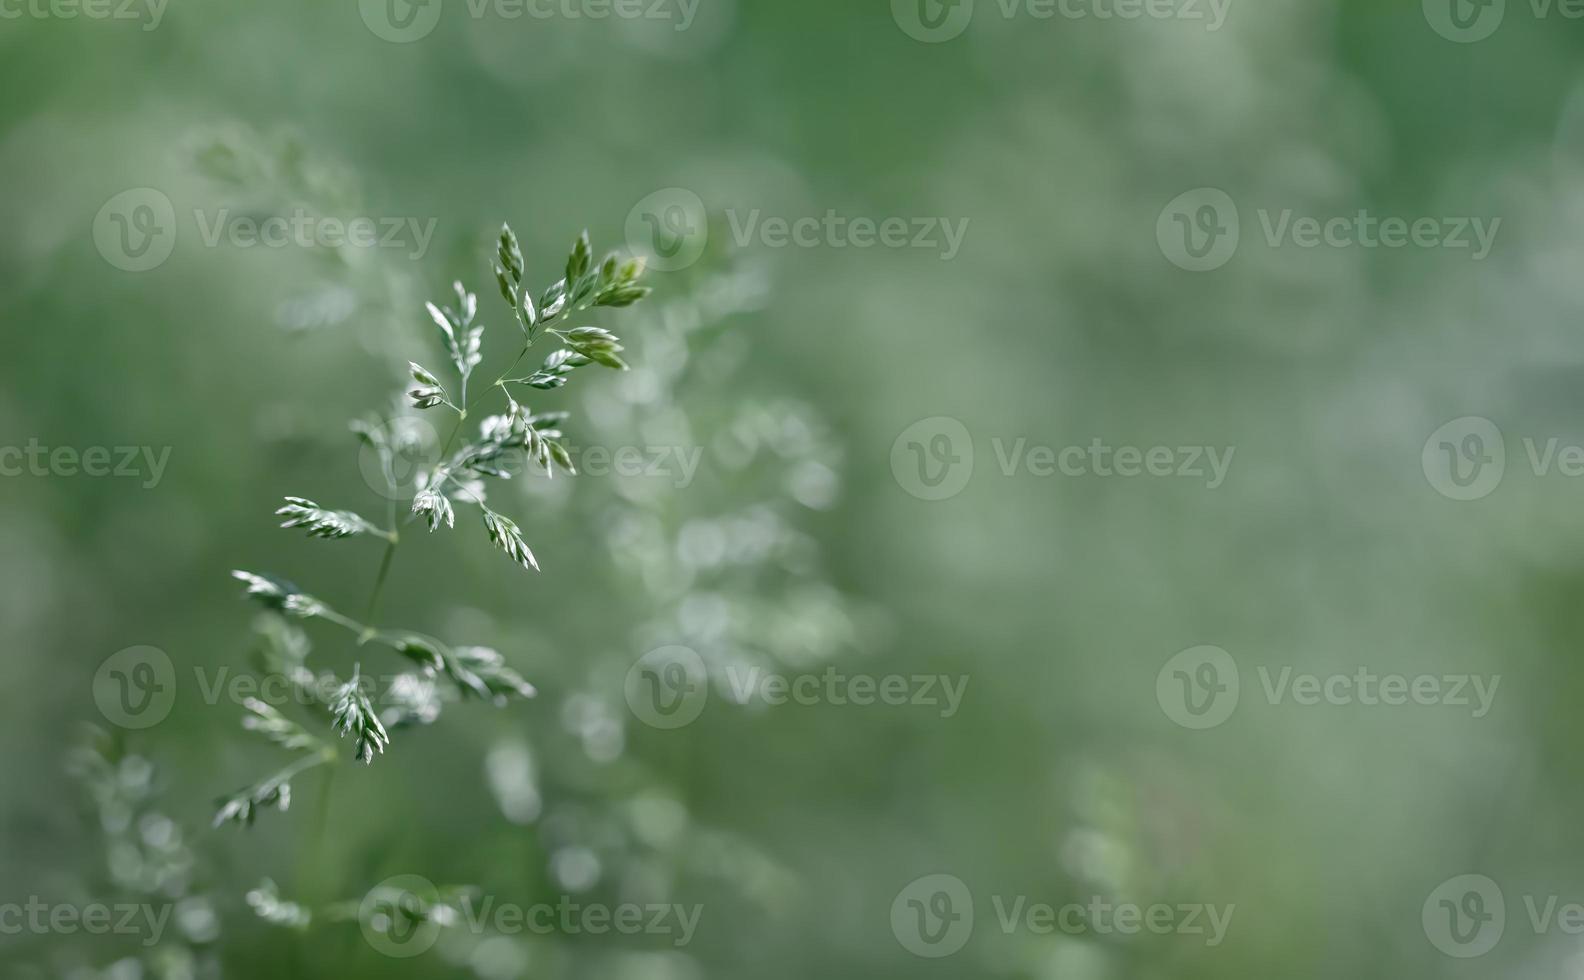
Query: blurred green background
(806, 539)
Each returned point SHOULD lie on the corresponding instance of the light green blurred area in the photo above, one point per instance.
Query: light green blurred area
(1059, 321)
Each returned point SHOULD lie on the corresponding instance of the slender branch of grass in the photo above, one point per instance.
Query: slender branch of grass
(379, 587)
(455, 431)
(393, 538)
(467, 490)
(318, 851)
(465, 672)
(462, 413)
(347, 621)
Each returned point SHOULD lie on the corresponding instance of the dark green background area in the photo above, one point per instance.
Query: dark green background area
(1059, 598)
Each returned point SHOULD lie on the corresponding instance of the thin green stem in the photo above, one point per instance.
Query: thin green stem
(314, 878)
(379, 589)
(366, 630)
(322, 823)
(520, 355)
(455, 431)
(462, 413)
(464, 488)
(326, 613)
(390, 513)
(364, 633)
(322, 757)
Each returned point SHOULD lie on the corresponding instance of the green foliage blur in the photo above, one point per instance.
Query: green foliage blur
(801, 545)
